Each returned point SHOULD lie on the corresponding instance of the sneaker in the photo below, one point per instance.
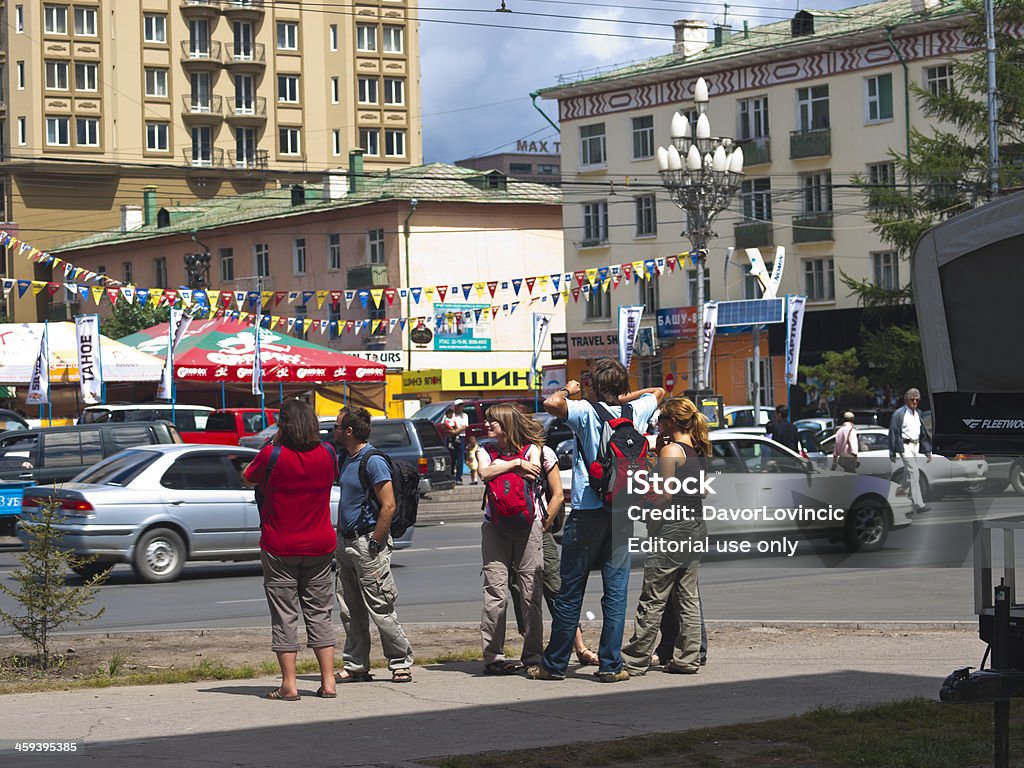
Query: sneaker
(922, 510)
(540, 672)
(612, 677)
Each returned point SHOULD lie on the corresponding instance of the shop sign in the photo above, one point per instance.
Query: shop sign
(421, 381)
(593, 344)
(392, 358)
(677, 323)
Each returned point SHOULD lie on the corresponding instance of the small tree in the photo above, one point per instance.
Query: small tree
(46, 602)
(835, 376)
(130, 317)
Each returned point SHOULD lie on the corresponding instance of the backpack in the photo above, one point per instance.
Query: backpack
(511, 496)
(622, 449)
(405, 482)
(545, 487)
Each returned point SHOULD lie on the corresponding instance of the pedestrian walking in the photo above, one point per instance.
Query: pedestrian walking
(450, 428)
(782, 430)
(295, 472)
(460, 432)
(909, 439)
(587, 540)
(683, 447)
(845, 450)
(366, 586)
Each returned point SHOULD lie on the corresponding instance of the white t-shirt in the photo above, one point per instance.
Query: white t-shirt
(548, 461)
(911, 425)
(461, 420)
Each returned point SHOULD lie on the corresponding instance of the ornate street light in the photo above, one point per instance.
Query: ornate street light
(702, 173)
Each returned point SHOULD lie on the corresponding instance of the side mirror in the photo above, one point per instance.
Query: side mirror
(565, 461)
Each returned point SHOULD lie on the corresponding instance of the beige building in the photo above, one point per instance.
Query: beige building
(202, 98)
(814, 102)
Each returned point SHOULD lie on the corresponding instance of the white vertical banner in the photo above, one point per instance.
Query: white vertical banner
(710, 323)
(541, 324)
(90, 371)
(629, 327)
(165, 390)
(257, 359)
(39, 387)
(794, 331)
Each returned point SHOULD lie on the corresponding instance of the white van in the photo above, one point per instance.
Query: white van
(187, 418)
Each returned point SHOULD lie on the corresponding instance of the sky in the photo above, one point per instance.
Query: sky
(479, 66)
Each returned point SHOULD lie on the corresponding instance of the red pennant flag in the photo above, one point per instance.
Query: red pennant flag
(390, 294)
(52, 288)
(530, 281)
(575, 293)
(615, 281)
(112, 294)
(349, 325)
(171, 296)
(279, 296)
(580, 276)
(494, 312)
(226, 297)
(671, 261)
(441, 291)
(492, 286)
(335, 298)
(627, 271)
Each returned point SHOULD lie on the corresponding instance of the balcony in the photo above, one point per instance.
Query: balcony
(242, 9)
(368, 276)
(200, 8)
(813, 228)
(253, 110)
(256, 159)
(756, 151)
(754, 234)
(816, 143)
(203, 156)
(202, 109)
(241, 55)
(200, 54)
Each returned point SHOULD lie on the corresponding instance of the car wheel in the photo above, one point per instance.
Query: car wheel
(159, 555)
(867, 526)
(1017, 477)
(91, 570)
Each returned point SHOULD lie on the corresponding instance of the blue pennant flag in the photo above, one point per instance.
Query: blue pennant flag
(517, 284)
(364, 296)
(416, 293)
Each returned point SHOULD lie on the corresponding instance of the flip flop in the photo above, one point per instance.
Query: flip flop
(501, 668)
(401, 676)
(353, 677)
(276, 695)
(324, 694)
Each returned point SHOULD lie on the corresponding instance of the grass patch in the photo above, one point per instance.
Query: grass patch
(915, 733)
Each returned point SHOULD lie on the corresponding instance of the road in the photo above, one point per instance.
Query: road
(923, 574)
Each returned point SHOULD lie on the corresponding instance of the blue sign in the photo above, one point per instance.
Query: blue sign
(677, 323)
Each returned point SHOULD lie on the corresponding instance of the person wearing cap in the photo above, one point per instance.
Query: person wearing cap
(459, 439)
(908, 439)
(844, 454)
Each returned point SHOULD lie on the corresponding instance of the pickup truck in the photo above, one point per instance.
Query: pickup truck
(228, 425)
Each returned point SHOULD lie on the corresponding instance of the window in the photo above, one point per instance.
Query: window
(335, 90)
(812, 108)
(85, 22)
(819, 279)
(599, 304)
(287, 36)
(592, 147)
(938, 80)
(22, 131)
(394, 143)
(520, 169)
(332, 37)
(886, 270)
(85, 76)
(57, 75)
(650, 294)
(336, 141)
(756, 199)
(19, 19)
(199, 39)
(156, 82)
(691, 285)
(646, 216)
(58, 131)
(160, 272)
(288, 88)
(21, 75)
(87, 131)
(261, 259)
(643, 137)
(154, 28)
(245, 94)
(816, 192)
(156, 137)
(393, 39)
(202, 145)
(366, 37)
(72, 448)
(299, 256)
(367, 90)
(394, 90)
(55, 19)
(881, 176)
(877, 98)
(226, 259)
(126, 272)
(334, 252)
(375, 246)
(289, 141)
(369, 141)
(752, 117)
(595, 223)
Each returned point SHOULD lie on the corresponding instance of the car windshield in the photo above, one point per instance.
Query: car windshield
(120, 469)
(432, 412)
(389, 435)
(94, 416)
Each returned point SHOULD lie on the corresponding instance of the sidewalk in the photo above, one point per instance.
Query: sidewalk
(761, 673)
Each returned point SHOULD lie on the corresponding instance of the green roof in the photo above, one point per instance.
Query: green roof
(438, 182)
(773, 37)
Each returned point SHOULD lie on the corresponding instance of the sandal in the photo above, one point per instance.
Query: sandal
(502, 668)
(325, 694)
(587, 658)
(353, 677)
(276, 695)
(401, 676)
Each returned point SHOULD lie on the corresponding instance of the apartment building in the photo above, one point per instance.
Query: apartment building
(203, 98)
(814, 102)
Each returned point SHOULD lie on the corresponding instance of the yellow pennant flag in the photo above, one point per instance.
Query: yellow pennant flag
(638, 269)
(265, 297)
(37, 287)
(606, 284)
(321, 297)
(480, 288)
(428, 291)
(306, 324)
(376, 294)
(97, 293)
(214, 297)
(155, 294)
(243, 315)
(592, 276)
(543, 281)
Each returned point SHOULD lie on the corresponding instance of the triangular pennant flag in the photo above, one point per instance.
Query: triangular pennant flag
(209, 296)
(441, 291)
(586, 289)
(575, 293)
(364, 296)
(401, 323)
(492, 286)
(279, 297)
(554, 299)
(671, 261)
(170, 296)
(530, 282)
(142, 296)
(391, 324)
(377, 294)
(292, 297)
(638, 271)
(466, 288)
(615, 280)
(514, 305)
(591, 275)
(52, 288)
(128, 294)
(349, 326)
(627, 271)
(429, 293)
(602, 273)
(186, 296)
(335, 299)
(580, 276)
(359, 326)
(349, 296)
(390, 294)
(479, 289)
(113, 294)
(255, 300)
(660, 264)
(306, 296)
(542, 281)
(555, 280)
(238, 296)
(97, 293)
(416, 293)
(517, 283)
(650, 267)
(290, 324)
(494, 312)
(321, 297)
(606, 284)
(476, 314)
(265, 297)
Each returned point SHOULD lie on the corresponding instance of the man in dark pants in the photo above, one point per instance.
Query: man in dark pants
(782, 431)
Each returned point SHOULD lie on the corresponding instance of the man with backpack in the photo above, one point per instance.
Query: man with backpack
(372, 489)
(609, 437)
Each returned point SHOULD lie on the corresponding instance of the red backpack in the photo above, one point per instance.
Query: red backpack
(510, 495)
(622, 448)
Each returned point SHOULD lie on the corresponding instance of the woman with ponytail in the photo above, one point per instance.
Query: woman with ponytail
(670, 577)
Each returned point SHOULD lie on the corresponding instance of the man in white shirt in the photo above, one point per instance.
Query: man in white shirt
(459, 437)
(909, 439)
(844, 454)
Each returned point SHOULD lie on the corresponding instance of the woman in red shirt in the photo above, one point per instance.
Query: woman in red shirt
(298, 543)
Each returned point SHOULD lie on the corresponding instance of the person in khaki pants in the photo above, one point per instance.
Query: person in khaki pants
(509, 543)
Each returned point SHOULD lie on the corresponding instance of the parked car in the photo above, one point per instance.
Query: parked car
(10, 421)
(157, 507)
(821, 423)
(743, 415)
(872, 416)
(961, 473)
(474, 408)
(187, 418)
(227, 426)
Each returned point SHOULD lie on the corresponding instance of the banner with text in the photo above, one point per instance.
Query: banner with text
(794, 331)
(90, 371)
(710, 321)
(629, 326)
(39, 387)
(677, 323)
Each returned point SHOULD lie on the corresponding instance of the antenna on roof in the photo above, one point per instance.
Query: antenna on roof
(725, 15)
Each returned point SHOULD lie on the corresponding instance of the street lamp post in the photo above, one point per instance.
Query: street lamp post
(702, 173)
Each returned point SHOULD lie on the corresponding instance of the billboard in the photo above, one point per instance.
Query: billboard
(677, 323)
(462, 328)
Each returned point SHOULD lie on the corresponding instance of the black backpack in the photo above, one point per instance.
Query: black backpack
(622, 449)
(405, 481)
